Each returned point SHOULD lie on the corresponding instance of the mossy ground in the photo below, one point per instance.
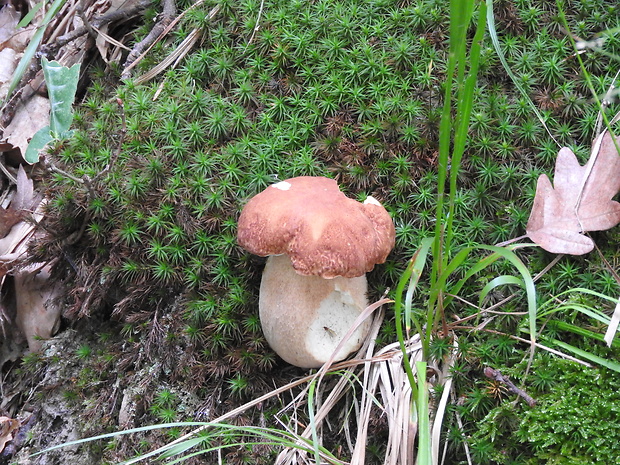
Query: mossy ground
(346, 89)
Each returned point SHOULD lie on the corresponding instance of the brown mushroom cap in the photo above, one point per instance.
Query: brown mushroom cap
(324, 232)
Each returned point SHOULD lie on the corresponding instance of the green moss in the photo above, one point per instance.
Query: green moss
(573, 421)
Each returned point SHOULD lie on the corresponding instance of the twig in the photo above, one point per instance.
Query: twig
(610, 268)
(6, 172)
(497, 376)
(167, 16)
(96, 23)
(129, 66)
(526, 341)
(82, 15)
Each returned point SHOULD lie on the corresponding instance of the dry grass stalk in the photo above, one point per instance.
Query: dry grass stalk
(384, 385)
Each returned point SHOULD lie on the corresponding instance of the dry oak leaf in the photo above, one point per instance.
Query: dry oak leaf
(7, 427)
(580, 199)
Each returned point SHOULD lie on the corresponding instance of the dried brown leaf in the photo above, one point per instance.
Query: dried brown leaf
(37, 310)
(23, 202)
(9, 17)
(31, 116)
(579, 201)
(8, 426)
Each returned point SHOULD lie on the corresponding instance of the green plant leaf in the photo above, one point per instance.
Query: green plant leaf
(38, 142)
(62, 85)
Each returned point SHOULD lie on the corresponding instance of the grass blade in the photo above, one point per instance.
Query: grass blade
(32, 47)
(424, 436)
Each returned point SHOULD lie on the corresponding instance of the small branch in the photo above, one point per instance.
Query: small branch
(167, 16)
(96, 23)
(497, 376)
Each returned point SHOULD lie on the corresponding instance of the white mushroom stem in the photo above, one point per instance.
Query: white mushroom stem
(304, 318)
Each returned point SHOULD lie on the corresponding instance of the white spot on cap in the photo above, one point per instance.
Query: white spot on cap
(372, 200)
(282, 185)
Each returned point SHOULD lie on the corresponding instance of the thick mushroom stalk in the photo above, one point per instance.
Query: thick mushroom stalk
(304, 318)
(321, 245)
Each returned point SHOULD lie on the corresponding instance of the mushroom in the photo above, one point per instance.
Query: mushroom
(320, 244)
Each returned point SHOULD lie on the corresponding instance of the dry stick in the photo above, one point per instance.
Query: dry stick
(606, 102)
(167, 17)
(128, 67)
(497, 376)
(80, 12)
(173, 59)
(608, 265)
(96, 23)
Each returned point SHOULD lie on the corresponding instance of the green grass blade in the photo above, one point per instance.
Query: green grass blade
(615, 366)
(503, 280)
(565, 326)
(418, 263)
(398, 315)
(452, 266)
(502, 59)
(116, 434)
(465, 101)
(424, 428)
(32, 47)
(181, 447)
(30, 15)
(506, 253)
(315, 436)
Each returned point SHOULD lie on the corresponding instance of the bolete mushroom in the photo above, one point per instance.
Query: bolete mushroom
(320, 245)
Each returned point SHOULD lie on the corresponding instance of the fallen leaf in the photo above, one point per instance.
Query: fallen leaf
(579, 201)
(22, 203)
(30, 116)
(7, 427)
(9, 17)
(37, 310)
